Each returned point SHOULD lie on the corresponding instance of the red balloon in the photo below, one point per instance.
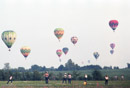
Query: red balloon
(113, 24)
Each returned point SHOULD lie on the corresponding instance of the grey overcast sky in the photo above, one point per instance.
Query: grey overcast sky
(34, 22)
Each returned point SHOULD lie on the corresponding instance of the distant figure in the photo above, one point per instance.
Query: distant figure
(85, 77)
(106, 80)
(46, 75)
(10, 79)
(69, 78)
(116, 77)
(64, 78)
(122, 77)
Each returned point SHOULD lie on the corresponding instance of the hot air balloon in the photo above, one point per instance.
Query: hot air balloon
(88, 61)
(59, 53)
(25, 50)
(112, 45)
(8, 38)
(82, 62)
(111, 51)
(96, 55)
(74, 40)
(65, 50)
(113, 24)
(59, 33)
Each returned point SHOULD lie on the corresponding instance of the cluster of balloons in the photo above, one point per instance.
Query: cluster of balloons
(112, 45)
(113, 24)
(59, 32)
(59, 52)
(9, 38)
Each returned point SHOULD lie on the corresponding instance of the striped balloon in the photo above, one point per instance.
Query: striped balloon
(59, 33)
(113, 24)
(25, 50)
(8, 38)
(59, 52)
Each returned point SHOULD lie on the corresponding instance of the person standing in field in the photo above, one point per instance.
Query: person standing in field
(85, 79)
(122, 77)
(69, 78)
(106, 79)
(46, 75)
(64, 78)
(10, 79)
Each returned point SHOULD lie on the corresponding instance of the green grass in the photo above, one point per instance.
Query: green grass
(58, 84)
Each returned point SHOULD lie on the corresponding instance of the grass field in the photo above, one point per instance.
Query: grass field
(58, 84)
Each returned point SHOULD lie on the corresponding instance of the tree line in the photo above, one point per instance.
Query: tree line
(36, 72)
(69, 66)
(36, 75)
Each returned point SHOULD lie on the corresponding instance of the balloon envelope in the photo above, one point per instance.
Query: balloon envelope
(8, 38)
(88, 61)
(25, 50)
(59, 33)
(59, 52)
(112, 45)
(65, 50)
(96, 55)
(74, 40)
(111, 51)
(113, 24)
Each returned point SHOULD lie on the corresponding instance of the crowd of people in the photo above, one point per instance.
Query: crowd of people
(68, 77)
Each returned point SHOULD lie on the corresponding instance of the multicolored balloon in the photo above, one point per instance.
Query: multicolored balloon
(59, 33)
(111, 51)
(59, 53)
(8, 38)
(25, 50)
(65, 50)
(112, 45)
(74, 40)
(113, 24)
(96, 55)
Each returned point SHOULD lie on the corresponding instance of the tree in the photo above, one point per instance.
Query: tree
(28, 75)
(128, 64)
(59, 76)
(116, 67)
(105, 67)
(61, 68)
(70, 65)
(97, 75)
(36, 75)
(21, 69)
(43, 68)
(6, 66)
(36, 68)
(75, 75)
(1, 75)
(17, 75)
